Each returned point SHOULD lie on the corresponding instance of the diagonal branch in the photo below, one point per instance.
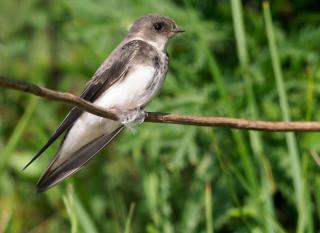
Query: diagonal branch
(159, 117)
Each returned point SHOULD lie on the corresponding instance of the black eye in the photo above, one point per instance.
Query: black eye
(158, 27)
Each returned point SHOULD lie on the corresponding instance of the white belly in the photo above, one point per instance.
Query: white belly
(131, 92)
(127, 94)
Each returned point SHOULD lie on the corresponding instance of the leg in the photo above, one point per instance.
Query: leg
(129, 118)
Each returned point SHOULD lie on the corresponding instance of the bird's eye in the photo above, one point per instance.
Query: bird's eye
(158, 27)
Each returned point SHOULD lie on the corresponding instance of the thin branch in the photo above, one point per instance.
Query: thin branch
(158, 117)
(58, 96)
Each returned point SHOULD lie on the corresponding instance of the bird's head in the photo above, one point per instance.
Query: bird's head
(154, 29)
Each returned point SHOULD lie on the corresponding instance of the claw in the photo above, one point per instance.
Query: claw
(130, 127)
(131, 118)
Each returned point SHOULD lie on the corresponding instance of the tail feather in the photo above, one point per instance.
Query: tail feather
(54, 175)
(65, 125)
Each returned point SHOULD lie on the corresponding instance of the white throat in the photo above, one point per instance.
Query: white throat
(160, 45)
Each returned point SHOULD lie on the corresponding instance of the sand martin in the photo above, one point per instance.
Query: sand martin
(125, 82)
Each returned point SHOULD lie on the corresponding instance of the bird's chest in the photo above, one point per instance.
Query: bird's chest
(152, 84)
(160, 64)
(140, 85)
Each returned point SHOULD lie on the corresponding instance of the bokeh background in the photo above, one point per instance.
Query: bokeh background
(237, 59)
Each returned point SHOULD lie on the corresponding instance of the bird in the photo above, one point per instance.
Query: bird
(125, 82)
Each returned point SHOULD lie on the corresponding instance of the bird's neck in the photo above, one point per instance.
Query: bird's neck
(161, 46)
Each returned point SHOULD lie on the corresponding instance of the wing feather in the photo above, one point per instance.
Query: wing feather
(104, 78)
(76, 161)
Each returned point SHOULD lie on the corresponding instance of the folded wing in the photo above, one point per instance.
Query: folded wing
(56, 173)
(109, 72)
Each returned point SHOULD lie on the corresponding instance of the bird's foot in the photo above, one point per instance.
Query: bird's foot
(132, 118)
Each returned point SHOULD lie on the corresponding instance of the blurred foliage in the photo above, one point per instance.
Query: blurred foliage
(167, 178)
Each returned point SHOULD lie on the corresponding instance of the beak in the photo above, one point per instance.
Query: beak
(178, 30)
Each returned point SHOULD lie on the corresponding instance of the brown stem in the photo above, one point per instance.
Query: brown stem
(158, 117)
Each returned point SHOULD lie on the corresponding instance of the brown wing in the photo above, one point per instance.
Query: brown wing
(101, 81)
(53, 176)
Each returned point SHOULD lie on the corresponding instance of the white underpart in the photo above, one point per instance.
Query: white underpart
(159, 44)
(126, 94)
(130, 92)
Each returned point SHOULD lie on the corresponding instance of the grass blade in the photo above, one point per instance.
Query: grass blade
(17, 133)
(69, 203)
(238, 136)
(208, 207)
(290, 137)
(222, 90)
(255, 137)
(129, 219)
(85, 220)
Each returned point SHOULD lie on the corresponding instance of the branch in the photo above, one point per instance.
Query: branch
(158, 117)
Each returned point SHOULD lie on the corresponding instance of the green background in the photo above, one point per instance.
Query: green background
(235, 59)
